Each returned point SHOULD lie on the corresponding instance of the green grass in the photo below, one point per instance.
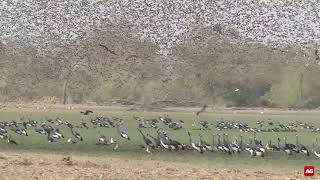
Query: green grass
(132, 150)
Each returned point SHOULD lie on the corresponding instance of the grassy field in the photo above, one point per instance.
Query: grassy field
(37, 143)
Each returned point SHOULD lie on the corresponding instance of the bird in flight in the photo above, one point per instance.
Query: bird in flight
(106, 48)
(316, 52)
(86, 112)
(201, 110)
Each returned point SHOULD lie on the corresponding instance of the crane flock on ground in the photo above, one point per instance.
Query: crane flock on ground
(161, 140)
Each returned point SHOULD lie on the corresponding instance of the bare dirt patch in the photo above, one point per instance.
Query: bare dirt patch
(40, 166)
(161, 106)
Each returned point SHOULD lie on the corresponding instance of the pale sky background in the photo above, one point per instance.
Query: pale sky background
(279, 23)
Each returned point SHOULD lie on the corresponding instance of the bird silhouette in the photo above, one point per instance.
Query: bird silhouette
(86, 112)
(316, 52)
(201, 110)
(107, 49)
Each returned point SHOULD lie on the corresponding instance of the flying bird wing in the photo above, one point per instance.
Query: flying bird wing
(201, 110)
(86, 112)
(107, 49)
(316, 52)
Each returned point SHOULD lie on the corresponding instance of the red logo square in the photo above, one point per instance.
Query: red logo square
(308, 171)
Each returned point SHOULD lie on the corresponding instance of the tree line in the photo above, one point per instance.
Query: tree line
(207, 67)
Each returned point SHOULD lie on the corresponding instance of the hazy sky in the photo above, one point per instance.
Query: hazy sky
(166, 22)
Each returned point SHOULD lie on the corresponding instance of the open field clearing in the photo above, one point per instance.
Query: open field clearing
(35, 157)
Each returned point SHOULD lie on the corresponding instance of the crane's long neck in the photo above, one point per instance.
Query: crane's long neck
(212, 140)
(297, 141)
(118, 129)
(224, 138)
(313, 146)
(71, 129)
(200, 138)
(159, 135)
(141, 133)
(190, 140)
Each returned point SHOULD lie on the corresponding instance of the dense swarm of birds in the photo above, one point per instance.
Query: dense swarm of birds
(279, 23)
(220, 142)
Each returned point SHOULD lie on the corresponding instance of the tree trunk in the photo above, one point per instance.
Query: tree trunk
(64, 91)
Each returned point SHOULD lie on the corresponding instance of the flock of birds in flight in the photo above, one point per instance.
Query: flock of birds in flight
(220, 142)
